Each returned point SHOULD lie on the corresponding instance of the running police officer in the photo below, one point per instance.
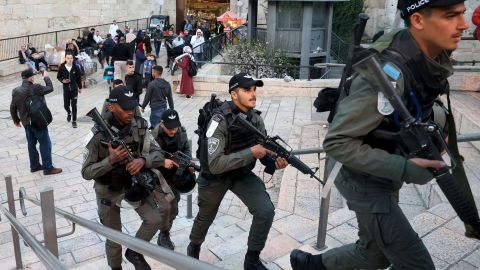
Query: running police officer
(172, 137)
(372, 174)
(106, 165)
(232, 154)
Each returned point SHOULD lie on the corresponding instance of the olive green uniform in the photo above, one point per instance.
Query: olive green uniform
(179, 142)
(372, 175)
(108, 190)
(232, 171)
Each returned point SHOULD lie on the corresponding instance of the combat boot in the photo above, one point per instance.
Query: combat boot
(137, 260)
(301, 260)
(193, 250)
(472, 231)
(164, 240)
(252, 261)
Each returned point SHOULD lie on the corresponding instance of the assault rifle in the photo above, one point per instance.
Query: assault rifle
(278, 145)
(417, 139)
(146, 177)
(182, 159)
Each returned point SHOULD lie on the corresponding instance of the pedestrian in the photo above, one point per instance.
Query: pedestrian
(133, 80)
(131, 39)
(186, 83)
(197, 45)
(372, 172)
(97, 37)
(139, 58)
(476, 22)
(120, 55)
(206, 32)
(187, 26)
(90, 38)
(148, 69)
(101, 54)
(20, 116)
(172, 137)
(70, 76)
(148, 44)
(112, 30)
(157, 36)
(108, 44)
(187, 37)
(232, 154)
(24, 59)
(158, 95)
(112, 173)
(35, 56)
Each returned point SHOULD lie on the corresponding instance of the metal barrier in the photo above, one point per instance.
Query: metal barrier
(325, 202)
(9, 47)
(48, 257)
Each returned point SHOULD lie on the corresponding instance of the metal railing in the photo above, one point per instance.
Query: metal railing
(339, 48)
(9, 47)
(48, 256)
(325, 202)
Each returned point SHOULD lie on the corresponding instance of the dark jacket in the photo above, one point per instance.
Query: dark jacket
(135, 83)
(18, 110)
(121, 52)
(75, 77)
(158, 94)
(108, 44)
(21, 58)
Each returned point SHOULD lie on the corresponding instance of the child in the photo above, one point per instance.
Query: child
(147, 69)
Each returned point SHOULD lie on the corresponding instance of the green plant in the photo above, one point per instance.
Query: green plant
(255, 53)
(344, 16)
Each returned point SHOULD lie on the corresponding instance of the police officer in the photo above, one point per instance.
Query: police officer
(106, 165)
(232, 154)
(372, 174)
(172, 137)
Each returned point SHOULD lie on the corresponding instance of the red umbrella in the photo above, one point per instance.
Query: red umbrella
(227, 16)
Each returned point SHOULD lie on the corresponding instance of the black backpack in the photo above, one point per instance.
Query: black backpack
(192, 68)
(204, 117)
(39, 116)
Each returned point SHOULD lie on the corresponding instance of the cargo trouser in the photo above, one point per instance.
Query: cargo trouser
(109, 214)
(384, 239)
(248, 188)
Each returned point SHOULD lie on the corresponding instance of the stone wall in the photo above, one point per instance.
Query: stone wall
(205, 85)
(23, 17)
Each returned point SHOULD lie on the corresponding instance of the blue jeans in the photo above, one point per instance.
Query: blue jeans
(155, 116)
(158, 45)
(41, 136)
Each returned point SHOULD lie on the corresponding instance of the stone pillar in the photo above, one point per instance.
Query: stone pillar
(271, 22)
(328, 38)
(252, 17)
(306, 39)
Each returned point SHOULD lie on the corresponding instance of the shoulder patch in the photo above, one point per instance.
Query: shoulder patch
(212, 145)
(383, 104)
(216, 119)
(391, 71)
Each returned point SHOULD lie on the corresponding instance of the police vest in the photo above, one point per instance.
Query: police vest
(119, 177)
(170, 145)
(420, 88)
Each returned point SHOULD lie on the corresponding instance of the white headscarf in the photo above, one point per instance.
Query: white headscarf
(187, 49)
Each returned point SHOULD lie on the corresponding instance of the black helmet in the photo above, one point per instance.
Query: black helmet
(185, 182)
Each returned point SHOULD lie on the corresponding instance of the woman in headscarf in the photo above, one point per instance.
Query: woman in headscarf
(186, 84)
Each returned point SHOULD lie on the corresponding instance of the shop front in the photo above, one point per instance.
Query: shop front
(200, 11)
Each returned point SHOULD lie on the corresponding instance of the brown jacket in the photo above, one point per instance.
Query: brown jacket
(18, 110)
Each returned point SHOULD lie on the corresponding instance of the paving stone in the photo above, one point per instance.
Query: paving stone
(425, 223)
(448, 245)
(443, 210)
(344, 233)
(232, 246)
(439, 264)
(89, 252)
(410, 210)
(297, 227)
(278, 246)
(461, 265)
(340, 216)
(232, 262)
(229, 232)
(473, 258)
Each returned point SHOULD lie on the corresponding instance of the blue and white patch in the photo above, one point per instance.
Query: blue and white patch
(391, 71)
(213, 144)
(216, 119)
(383, 105)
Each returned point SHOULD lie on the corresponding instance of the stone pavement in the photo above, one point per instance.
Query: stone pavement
(295, 195)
